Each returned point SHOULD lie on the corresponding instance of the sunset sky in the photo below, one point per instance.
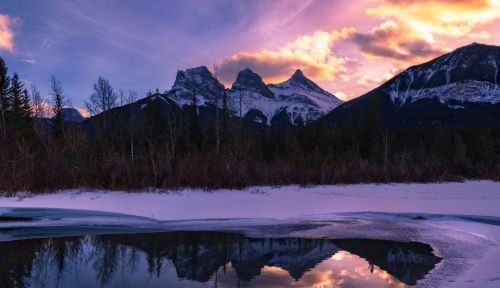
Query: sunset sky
(348, 47)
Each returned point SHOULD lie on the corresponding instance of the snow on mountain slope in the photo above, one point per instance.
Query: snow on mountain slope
(304, 97)
(299, 97)
(201, 81)
(466, 91)
(467, 74)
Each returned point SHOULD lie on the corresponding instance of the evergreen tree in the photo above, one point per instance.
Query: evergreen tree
(16, 100)
(195, 133)
(372, 132)
(58, 100)
(4, 96)
(225, 117)
(460, 151)
(27, 108)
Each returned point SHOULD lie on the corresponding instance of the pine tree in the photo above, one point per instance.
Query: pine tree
(58, 100)
(4, 96)
(225, 118)
(372, 132)
(27, 108)
(15, 100)
(195, 134)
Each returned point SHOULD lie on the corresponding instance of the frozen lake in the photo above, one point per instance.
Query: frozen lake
(426, 235)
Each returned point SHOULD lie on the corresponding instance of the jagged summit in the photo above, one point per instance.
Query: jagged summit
(294, 99)
(300, 89)
(298, 75)
(200, 80)
(298, 97)
(251, 81)
(299, 79)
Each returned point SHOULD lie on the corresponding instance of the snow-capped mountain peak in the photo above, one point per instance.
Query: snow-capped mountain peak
(198, 80)
(299, 79)
(295, 98)
(300, 89)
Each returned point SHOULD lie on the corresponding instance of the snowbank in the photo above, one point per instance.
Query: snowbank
(470, 198)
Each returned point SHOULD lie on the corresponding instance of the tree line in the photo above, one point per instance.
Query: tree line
(124, 146)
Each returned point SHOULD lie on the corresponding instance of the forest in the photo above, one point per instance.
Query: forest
(119, 148)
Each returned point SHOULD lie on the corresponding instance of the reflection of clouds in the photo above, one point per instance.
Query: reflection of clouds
(342, 269)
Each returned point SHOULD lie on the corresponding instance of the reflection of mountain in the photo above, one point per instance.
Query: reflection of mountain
(296, 256)
(407, 261)
(197, 256)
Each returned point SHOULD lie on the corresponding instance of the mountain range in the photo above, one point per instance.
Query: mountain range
(457, 88)
(249, 97)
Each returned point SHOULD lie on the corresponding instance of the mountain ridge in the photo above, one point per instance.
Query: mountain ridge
(294, 99)
(456, 88)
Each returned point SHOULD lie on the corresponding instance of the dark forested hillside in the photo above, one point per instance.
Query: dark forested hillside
(155, 142)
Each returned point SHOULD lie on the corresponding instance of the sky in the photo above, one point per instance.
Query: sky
(347, 46)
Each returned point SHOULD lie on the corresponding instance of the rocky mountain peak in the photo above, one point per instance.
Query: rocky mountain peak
(251, 81)
(299, 79)
(298, 75)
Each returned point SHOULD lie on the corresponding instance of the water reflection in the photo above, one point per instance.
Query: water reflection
(208, 259)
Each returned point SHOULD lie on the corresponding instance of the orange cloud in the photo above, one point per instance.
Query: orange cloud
(395, 42)
(451, 18)
(408, 32)
(6, 33)
(311, 53)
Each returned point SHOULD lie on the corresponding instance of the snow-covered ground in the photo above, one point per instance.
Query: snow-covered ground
(460, 220)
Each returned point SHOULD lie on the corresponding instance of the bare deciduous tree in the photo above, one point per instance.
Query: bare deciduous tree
(41, 110)
(103, 98)
(130, 99)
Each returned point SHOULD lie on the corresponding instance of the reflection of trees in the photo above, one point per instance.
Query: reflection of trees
(50, 261)
(23, 259)
(16, 261)
(105, 259)
(195, 256)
